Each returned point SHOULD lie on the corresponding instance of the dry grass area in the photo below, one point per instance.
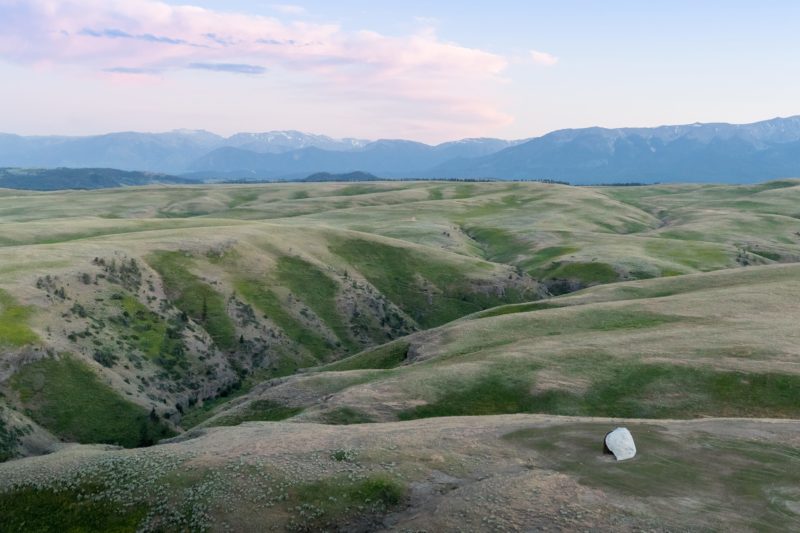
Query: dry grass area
(500, 473)
(392, 355)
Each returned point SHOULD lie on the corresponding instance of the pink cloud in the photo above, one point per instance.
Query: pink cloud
(125, 38)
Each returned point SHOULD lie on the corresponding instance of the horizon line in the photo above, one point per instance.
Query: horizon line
(370, 141)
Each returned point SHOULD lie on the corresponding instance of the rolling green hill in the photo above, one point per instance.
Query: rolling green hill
(179, 297)
(682, 347)
(131, 315)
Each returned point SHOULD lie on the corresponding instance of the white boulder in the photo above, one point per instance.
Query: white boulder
(620, 443)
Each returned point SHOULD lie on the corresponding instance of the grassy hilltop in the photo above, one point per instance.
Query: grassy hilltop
(132, 315)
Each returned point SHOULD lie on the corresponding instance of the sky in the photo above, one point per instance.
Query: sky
(427, 71)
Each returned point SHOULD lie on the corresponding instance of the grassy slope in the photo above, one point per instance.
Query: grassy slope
(430, 290)
(194, 297)
(66, 397)
(318, 291)
(673, 348)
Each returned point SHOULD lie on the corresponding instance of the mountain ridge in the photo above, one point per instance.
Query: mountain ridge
(703, 152)
(731, 153)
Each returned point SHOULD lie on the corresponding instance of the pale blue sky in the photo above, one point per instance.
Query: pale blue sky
(423, 70)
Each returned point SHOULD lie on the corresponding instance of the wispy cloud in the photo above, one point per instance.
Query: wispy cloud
(131, 70)
(235, 68)
(113, 33)
(276, 42)
(543, 58)
(438, 80)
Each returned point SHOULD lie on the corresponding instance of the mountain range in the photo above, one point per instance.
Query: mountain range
(718, 152)
(711, 152)
(171, 152)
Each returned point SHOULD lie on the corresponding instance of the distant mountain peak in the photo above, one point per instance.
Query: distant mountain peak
(277, 141)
